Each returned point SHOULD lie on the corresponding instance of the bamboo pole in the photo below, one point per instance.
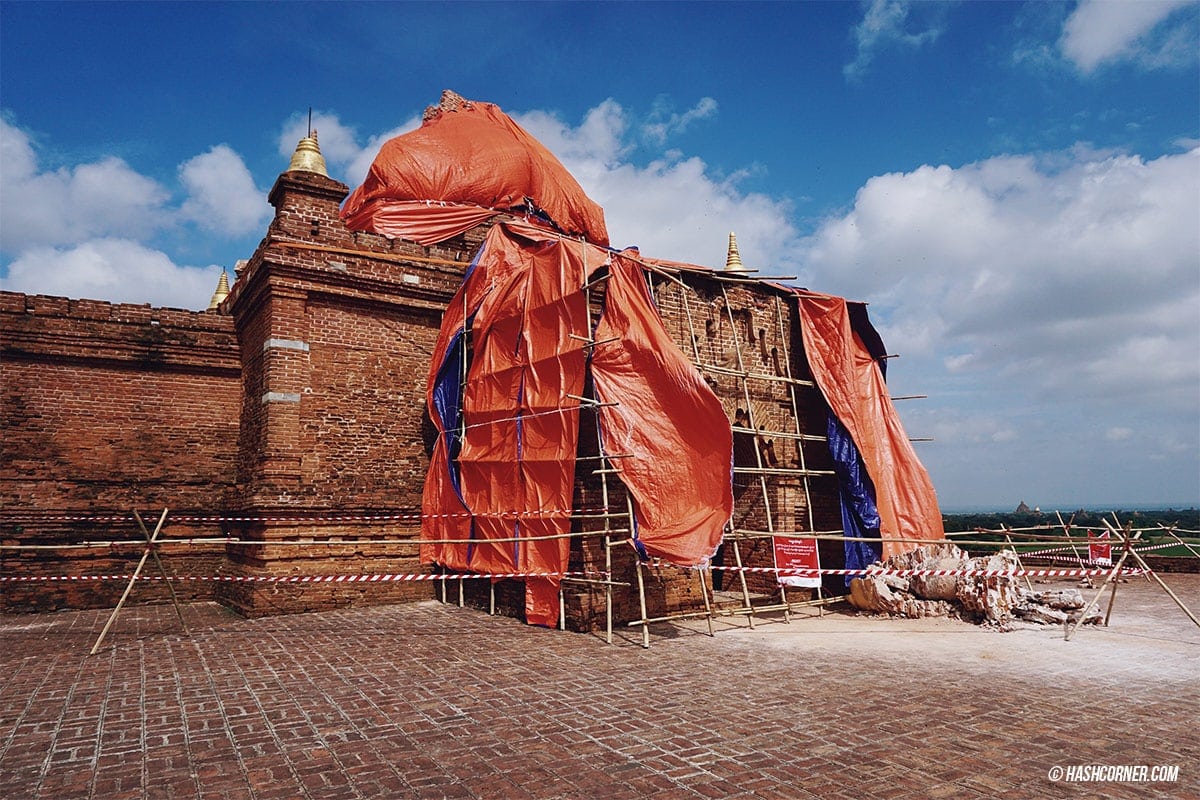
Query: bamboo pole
(1171, 532)
(737, 555)
(414, 542)
(592, 582)
(608, 612)
(161, 570)
(1112, 598)
(150, 541)
(644, 622)
(762, 478)
(1067, 532)
(687, 310)
(803, 437)
(604, 493)
(1028, 584)
(668, 618)
(707, 606)
(1087, 609)
(758, 376)
(783, 471)
(641, 581)
(1152, 574)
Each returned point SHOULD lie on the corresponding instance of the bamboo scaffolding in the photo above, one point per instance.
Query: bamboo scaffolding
(720, 275)
(784, 471)
(1067, 532)
(1020, 566)
(604, 497)
(800, 440)
(743, 376)
(1171, 532)
(1152, 574)
(745, 533)
(693, 337)
(151, 541)
(802, 437)
(704, 588)
(758, 376)
(758, 456)
(1116, 570)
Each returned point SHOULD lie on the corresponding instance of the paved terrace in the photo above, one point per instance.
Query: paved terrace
(433, 701)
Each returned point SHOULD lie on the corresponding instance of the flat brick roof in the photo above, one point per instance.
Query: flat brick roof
(435, 701)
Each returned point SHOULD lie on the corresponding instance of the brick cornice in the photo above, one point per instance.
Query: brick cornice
(308, 183)
(41, 328)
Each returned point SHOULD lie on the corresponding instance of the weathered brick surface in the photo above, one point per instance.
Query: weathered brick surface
(303, 397)
(434, 701)
(108, 408)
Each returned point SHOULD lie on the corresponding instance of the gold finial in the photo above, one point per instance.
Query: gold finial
(733, 261)
(307, 157)
(221, 293)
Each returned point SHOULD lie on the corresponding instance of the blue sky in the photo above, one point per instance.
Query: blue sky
(1014, 188)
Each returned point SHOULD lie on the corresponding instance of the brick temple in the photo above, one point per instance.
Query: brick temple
(290, 416)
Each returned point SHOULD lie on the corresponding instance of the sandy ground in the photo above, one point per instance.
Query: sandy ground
(1148, 638)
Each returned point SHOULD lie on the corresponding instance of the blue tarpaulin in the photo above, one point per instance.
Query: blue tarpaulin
(860, 516)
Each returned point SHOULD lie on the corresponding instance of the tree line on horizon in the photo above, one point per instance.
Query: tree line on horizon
(1181, 519)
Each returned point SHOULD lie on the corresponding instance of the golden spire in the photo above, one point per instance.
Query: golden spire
(221, 293)
(733, 261)
(307, 157)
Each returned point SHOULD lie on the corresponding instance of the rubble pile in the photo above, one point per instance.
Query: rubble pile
(989, 599)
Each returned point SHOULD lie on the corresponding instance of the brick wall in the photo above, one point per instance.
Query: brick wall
(108, 408)
(336, 329)
(301, 402)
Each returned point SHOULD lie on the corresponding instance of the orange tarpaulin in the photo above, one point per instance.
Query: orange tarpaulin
(423, 222)
(502, 472)
(516, 456)
(853, 386)
(472, 154)
(510, 356)
(670, 428)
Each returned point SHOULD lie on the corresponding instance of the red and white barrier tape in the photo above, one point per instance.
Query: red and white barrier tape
(550, 512)
(1072, 554)
(368, 578)
(392, 577)
(934, 573)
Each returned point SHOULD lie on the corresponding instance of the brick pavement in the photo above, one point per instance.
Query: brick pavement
(432, 701)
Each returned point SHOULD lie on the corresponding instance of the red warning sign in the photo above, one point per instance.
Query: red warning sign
(794, 552)
(1099, 548)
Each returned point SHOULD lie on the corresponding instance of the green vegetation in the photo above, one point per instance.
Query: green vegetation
(1185, 523)
(1186, 519)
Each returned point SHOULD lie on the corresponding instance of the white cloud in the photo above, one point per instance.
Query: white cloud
(117, 270)
(672, 207)
(961, 428)
(84, 230)
(222, 195)
(664, 122)
(599, 143)
(885, 22)
(1100, 31)
(71, 204)
(1075, 277)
